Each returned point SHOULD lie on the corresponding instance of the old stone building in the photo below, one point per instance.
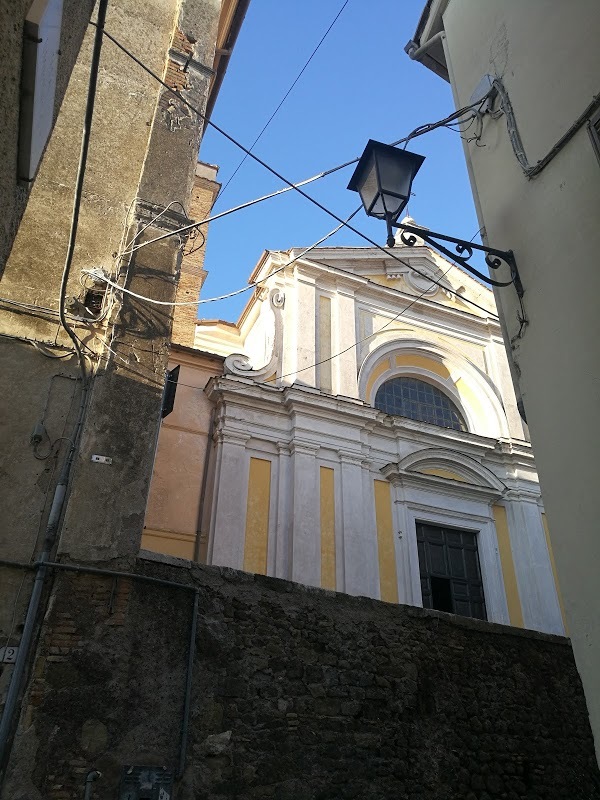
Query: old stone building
(399, 469)
(82, 366)
(535, 177)
(128, 673)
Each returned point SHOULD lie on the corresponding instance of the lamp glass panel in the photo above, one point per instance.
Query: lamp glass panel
(396, 175)
(368, 188)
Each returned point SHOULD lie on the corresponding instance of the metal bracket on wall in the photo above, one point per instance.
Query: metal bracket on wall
(463, 252)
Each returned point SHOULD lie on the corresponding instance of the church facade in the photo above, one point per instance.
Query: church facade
(365, 438)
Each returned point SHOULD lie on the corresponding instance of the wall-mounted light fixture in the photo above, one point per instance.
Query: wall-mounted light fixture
(383, 178)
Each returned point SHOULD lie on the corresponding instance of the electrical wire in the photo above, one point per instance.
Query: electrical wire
(81, 167)
(286, 375)
(99, 276)
(284, 98)
(531, 170)
(273, 171)
(420, 131)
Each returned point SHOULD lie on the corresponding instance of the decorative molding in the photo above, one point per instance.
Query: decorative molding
(347, 457)
(231, 437)
(240, 364)
(479, 483)
(468, 468)
(304, 448)
(169, 220)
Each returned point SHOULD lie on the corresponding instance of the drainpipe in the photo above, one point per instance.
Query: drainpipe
(415, 52)
(185, 723)
(92, 776)
(211, 428)
(16, 680)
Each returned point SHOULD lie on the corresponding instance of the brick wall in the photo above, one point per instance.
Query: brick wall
(297, 694)
(192, 267)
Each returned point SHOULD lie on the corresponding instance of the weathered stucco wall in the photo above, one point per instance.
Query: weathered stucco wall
(172, 523)
(297, 693)
(13, 197)
(547, 57)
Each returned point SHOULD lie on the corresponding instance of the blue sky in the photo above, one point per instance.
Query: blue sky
(360, 85)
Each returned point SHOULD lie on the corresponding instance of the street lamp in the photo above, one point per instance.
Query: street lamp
(383, 178)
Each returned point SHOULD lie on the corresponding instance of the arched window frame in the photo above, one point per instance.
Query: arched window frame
(488, 418)
(427, 379)
(445, 386)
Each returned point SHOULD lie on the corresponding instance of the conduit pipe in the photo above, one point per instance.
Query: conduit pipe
(207, 459)
(92, 776)
(18, 673)
(42, 568)
(185, 722)
(413, 50)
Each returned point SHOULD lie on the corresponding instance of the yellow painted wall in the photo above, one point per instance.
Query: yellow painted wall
(171, 523)
(388, 582)
(325, 353)
(412, 360)
(443, 473)
(405, 360)
(327, 499)
(257, 516)
(551, 554)
(513, 600)
(470, 397)
(382, 367)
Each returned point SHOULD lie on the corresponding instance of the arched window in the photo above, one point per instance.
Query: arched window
(415, 399)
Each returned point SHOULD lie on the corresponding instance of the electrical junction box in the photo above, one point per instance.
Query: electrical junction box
(101, 459)
(485, 88)
(146, 783)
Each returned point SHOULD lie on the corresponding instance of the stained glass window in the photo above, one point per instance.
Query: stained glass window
(415, 399)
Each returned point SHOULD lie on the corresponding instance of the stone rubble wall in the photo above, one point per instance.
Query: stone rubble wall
(298, 694)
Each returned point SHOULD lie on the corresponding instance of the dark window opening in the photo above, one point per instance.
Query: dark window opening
(450, 572)
(415, 399)
(441, 594)
(94, 300)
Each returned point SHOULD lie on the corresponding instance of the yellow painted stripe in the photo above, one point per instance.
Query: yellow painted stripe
(388, 583)
(257, 516)
(442, 473)
(382, 367)
(423, 362)
(325, 343)
(328, 528)
(552, 562)
(511, 588)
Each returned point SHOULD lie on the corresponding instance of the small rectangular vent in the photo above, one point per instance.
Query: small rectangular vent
(146, 783)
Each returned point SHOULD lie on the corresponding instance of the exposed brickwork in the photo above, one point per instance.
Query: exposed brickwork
(192, 266)
(175, 75)
(298, 694)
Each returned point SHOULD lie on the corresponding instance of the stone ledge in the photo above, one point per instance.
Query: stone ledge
(281, 586)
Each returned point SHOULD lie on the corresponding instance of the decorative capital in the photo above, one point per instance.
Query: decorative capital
(304, 448)
(348, 457)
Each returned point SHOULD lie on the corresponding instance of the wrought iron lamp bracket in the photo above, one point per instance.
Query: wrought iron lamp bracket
(463, 251)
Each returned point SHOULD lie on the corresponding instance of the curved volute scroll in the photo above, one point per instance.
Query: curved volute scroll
(241, 364)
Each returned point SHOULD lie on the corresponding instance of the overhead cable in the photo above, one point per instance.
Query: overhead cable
(296, 371)
(99, 275)
(284, 98)
(420, 131)
(278, 175)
